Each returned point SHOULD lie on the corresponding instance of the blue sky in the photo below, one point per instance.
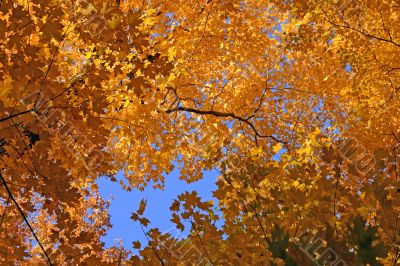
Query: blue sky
(124, 203)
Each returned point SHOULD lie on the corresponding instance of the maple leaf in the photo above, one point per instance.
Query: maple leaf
(136, 244)
(142, 206)
(52, 29)
(95, 88)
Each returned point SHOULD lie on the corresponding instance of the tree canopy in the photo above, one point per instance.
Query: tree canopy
(295, 103)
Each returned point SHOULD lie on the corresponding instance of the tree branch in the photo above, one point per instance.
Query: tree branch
(15, 115)
(221, 114)
(152, 248)
(25, 219)
(202, 243)
(366, 34)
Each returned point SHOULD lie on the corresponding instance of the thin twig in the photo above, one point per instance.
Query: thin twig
(152, 248)
(25, 219)
(202, 243)
(222, 114)
(18, 114)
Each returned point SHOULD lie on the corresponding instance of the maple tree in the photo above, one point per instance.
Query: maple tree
(295, 103)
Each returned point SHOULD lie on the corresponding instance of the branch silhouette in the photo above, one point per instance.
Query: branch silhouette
(25, 219)
(222, 114)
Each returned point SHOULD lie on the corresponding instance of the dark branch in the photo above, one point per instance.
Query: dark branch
(366, 34)
(202, 243)
(25, 219)
(15, 115)
(152, 248)
(221, 114)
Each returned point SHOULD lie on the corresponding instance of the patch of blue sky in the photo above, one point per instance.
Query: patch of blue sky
(123, 204)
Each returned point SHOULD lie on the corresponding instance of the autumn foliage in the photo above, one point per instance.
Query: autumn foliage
(295, 103)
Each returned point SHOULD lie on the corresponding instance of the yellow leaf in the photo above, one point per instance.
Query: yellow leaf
(255, 151)
(277, 147)
(171, 53)
(138, 73)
